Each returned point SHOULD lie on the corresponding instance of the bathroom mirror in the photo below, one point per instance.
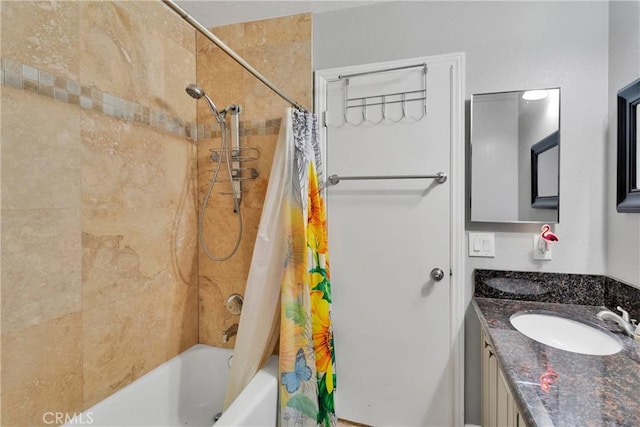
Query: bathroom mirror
(515, 156)
(628, 179)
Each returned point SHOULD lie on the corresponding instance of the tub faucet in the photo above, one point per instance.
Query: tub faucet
(627, 326)
(229, 332)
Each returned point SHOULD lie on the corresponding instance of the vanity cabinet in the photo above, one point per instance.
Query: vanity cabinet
(498, 406)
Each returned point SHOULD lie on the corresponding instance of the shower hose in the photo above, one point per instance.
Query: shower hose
(224, 152)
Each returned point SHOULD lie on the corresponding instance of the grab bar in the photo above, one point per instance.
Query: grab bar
(440, 177)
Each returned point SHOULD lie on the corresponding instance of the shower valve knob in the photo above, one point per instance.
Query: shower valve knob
(234, 304)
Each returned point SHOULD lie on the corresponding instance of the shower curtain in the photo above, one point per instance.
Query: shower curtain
(288, 289)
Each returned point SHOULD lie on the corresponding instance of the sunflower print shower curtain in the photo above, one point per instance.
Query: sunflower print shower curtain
(307, 374)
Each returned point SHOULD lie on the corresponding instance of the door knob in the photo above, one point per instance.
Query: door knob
(437, 274)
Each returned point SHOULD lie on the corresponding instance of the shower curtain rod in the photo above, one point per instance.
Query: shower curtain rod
(208, 34)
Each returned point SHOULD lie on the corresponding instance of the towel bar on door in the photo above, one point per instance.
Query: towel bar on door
(440, 177)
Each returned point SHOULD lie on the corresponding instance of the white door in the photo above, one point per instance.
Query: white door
(396, 328)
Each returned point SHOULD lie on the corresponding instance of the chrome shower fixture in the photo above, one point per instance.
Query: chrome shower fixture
(196, 92)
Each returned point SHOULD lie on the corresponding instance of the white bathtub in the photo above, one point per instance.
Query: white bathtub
(188, 390)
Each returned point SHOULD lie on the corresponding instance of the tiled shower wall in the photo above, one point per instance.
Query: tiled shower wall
(281, 50)
(99, 264)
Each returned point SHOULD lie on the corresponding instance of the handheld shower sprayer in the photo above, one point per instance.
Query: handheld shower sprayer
(196, 92)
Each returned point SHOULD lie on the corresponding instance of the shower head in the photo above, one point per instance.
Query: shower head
(196, 92)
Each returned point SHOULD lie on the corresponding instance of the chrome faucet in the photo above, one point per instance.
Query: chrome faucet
(229, 332)
(629, 327)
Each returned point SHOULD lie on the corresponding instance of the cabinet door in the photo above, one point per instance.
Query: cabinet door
(519, 421)
(505, 406)
(498, 406)
(489, 384)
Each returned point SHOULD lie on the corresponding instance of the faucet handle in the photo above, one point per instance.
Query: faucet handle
(625, 314)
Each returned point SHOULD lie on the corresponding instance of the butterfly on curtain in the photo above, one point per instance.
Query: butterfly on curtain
(292, 380)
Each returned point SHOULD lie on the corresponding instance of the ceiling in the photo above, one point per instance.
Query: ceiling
(213, 13)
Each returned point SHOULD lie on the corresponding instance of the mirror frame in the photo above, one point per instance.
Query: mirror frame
(542, 202)
(628, 197)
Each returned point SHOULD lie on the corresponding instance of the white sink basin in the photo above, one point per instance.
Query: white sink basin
(566, 334)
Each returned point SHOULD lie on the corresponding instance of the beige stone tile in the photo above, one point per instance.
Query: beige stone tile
(42, 34)
(221, 197)
(121, 55)
(124, 253)
(288, 66)
(123, 340)
(204, 147)
(219, 280)
(183, 318)
(257, 189)
(220, 232)
(179, 71)
(41, 266)
(180, 167)
(232, 35)
(281, 30)
(42, 371)
(223, 80)
(181, 185)
(214, 318)
(152, 13)
(40, 152)
(184, 242)
(184, 245)
(123, 164)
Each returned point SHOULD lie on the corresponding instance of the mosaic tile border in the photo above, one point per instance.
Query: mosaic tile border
(31, 79)
(25, 77)
(246, 128)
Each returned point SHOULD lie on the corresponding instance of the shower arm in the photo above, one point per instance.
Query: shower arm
(208, 34)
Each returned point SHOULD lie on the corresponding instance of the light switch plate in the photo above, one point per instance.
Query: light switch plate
(482, 245)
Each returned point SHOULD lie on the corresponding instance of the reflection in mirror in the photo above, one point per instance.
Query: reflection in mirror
(544, 173)
(628, 173)
(636, 184)
(505, 128)
(547, 170)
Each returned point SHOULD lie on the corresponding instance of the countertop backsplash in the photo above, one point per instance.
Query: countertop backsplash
(562, 288)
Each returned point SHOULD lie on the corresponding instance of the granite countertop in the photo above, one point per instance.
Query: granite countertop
(588, 391)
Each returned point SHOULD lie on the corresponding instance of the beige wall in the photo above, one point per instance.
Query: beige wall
(279, 48)
(99, 261)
